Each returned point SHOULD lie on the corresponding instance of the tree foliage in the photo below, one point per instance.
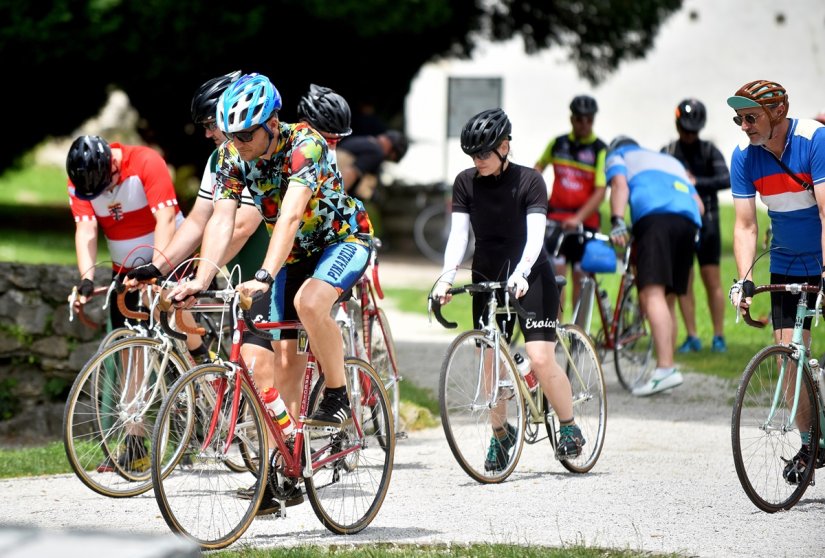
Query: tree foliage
(59, 57)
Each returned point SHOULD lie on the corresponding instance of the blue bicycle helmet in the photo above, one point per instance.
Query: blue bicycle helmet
(249, 101)
(621, 141)
(485, 131)
(89, 166)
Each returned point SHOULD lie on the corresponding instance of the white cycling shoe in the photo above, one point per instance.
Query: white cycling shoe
(663, 379)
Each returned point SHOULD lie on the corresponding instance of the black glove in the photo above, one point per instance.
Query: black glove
(86, 287)
(144, 272)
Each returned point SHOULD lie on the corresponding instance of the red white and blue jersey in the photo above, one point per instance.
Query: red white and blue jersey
(126, 214)
(796, 248)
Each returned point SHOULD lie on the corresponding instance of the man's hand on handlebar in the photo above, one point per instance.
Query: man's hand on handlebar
(741, 292)
(141, 274)
(181, 295)
(440, 292)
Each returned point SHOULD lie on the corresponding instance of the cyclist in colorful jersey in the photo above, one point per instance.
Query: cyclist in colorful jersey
(708, 170)
(506, 204)
(784, 161)
(666, 212)
(320, 236)
(127, 191)
(249, 239)
(578, 186)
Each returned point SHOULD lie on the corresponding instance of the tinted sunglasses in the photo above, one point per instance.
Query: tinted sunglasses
(244, 137)
(750, 118)
(483, 156)
(210, 126)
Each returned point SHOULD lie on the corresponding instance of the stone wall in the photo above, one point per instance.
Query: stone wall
(41, 351)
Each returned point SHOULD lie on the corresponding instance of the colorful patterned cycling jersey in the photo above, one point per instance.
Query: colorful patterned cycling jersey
(578, 169)
(126, 214)
(658, 183)
(797, 228)
(300, 159)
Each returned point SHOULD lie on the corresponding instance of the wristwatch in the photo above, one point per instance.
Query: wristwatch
(263, 276)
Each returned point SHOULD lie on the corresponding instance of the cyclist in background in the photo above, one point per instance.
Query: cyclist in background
(708, 171)
(578, 187)
(507, 205)
(127, 191)
(784, 162)
(330, 115)
(249, 238)
(320, 238)
(666, 213)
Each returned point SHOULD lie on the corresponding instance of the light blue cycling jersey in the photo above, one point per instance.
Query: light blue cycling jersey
(658, 183)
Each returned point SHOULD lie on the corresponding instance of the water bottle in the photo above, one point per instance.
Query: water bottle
(277, 410)
(604, 301)
(523, 365)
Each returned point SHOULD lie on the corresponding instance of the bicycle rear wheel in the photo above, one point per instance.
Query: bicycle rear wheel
(431, 230)
(352, 467)
(470, 399)
(118, 394)
(763, 438)
(197, 495)
(633, 349)
(384, 360)
(576, 355)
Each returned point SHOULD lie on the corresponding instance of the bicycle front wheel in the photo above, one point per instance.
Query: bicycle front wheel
(352, 467)
(197, 495)
(633, 347)
(110, 413)
(473, 401)
(576, 355)
(765, 434)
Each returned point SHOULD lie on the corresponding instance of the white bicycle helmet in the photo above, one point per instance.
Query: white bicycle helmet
(249, 101)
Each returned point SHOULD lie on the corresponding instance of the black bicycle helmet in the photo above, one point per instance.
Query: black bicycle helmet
(89, 166)
(621, 141)
(691, 115)
(584, 105)
(205, 101)
(326, 111)
(485, 131)
(399, 143)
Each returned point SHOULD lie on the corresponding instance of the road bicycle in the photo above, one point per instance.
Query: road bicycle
(479, 378)
(779, 399)
(431, 228)
(117, 393)
(345, 472)
(367, 334)
(624, 330)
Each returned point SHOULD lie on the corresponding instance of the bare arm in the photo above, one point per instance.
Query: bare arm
(619, 194)
(164, 226)
(186, 239)
(745, 233)
(216, 237)
(85, 245)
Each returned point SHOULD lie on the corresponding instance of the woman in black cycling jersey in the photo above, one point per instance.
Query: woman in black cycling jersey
(506, 204)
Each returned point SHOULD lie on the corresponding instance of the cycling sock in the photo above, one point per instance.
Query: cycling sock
(199, 352)
(500, 433)
(569, 422)
(339, 392)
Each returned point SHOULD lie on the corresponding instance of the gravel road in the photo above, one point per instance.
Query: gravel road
(665, 482)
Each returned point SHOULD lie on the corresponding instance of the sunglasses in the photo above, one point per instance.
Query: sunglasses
(483, 156)
(244, 137)
(210, 126)
(582, 118)
(749, 118)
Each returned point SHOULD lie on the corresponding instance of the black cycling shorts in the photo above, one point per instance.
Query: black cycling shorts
(709, 249)
(783, 305)
(665, 245)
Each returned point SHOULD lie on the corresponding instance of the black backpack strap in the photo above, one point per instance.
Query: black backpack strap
(808, 186)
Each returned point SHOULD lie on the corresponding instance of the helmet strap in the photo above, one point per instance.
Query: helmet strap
(271, 137)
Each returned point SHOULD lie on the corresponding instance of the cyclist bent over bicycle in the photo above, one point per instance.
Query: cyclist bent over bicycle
(506, 204)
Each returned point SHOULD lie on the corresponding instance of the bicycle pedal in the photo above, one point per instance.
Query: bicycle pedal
(401, 436)
(326, 430)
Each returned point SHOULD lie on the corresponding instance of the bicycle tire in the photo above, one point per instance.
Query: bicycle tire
(586, 377)
(633, 348)
(200, 500)
(115, 335)
(762, 444)
(431, 230)
(384, 359)
(96, 419)
(347, 492)
(466, 403)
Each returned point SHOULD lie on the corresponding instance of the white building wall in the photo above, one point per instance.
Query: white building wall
(730, 43)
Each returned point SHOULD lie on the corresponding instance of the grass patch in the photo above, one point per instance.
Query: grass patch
(34, 461)
(451, 551)
(43, 247)
(34, 186)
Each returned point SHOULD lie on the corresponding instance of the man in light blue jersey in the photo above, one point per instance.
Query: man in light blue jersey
(666, 214)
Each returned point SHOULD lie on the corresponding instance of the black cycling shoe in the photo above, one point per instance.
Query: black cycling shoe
(333, 411)
(795, 468)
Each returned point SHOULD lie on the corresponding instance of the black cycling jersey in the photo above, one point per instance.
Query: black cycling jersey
(707, 164)
(498, 206)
